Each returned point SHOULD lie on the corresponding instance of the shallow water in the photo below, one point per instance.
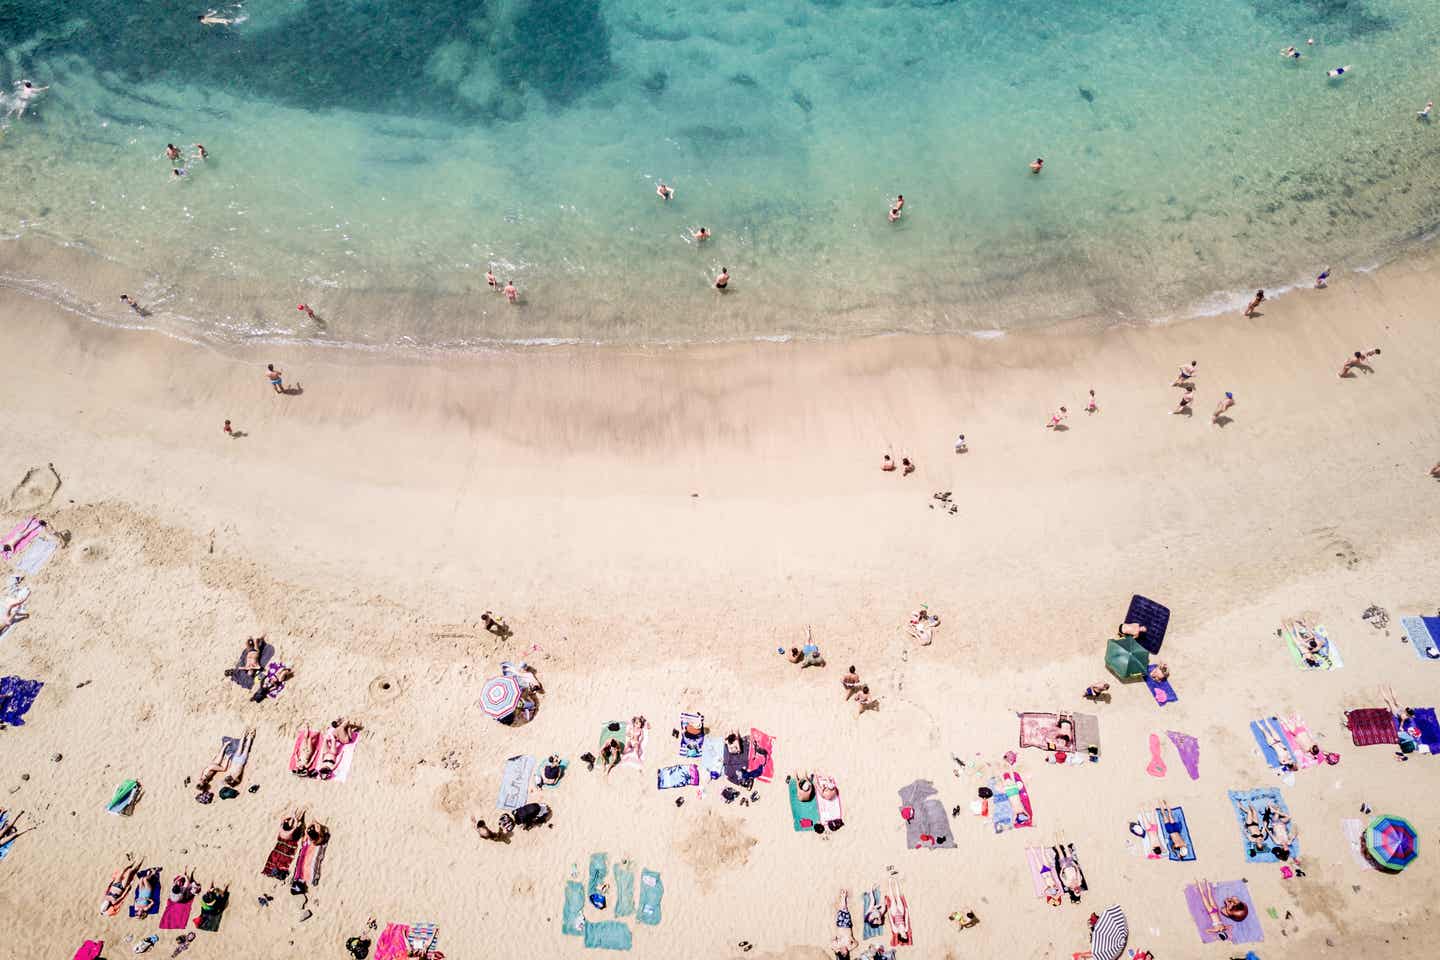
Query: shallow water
(372, 159)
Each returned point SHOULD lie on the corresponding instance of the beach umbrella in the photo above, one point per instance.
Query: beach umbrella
(500, 696)
(1110, 934)
(1125, 658)
(1392, 843)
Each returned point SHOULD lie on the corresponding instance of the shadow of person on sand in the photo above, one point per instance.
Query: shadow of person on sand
(294, 390)
(1222, 421)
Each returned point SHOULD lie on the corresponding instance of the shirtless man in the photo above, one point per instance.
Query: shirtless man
(1360, 360)
(1187, 373)
(701, 235)
(511, 294)
(723, 281)
(212, 18)
(1037, 165)
(897, 208)
(172, 152)
(126, 299)
(1226, 402)
(663, 192)
(491, 282)
(276, 377)
(851, 682)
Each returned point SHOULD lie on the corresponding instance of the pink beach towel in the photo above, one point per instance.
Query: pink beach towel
(90, 950)
(1294, 725)
(762, 747)
(307, 862)
(635, 739)
(1042, 874)
(300, 743)
(176, 915)
(21, 534)
(394, 942)
(1039, 729)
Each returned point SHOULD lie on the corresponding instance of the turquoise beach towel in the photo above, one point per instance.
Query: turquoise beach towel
(599, 866)
(1259, 800)
(651, 892)
(803, 814)
(868, 932)
(572, 920)
(607, 935)
(624, 888)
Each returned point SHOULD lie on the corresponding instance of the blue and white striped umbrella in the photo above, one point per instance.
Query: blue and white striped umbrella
(1111, 934)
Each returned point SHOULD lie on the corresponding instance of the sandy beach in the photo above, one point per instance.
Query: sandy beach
(653, 522)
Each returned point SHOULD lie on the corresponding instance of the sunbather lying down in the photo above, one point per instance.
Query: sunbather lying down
(238, 755)
(250, 663)
(844, 939)
(120, 882)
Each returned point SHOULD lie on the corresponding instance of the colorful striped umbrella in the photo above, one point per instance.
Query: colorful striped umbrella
(1110, 934)
(500, 696)
(1392, 843)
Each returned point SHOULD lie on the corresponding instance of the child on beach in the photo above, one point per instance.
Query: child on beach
(274, 376)
(1057, 418)
(1090, 406)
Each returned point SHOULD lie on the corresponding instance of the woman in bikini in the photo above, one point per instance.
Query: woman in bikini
(1072, 878)
(804, 788)
(1212, 910)
(120, 882)
(898, 915)
(1281, 832)
(1255, 832)
(250, 664)
(147, 891)
(342, 733)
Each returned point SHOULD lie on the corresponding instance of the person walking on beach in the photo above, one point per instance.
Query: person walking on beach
(1037, 165)
(1322, 279)
(1225, 403)
(663, 192)
(1057, 418)
(1184, 405)
(511, 293)
(305, 309)
(960, 445)
(1259, 299)
(491, 282)
(125, 299)
(723, 281)
(274, 376)
(1360, 360)
(1090, 405)
(1187, 373)
(228, 431)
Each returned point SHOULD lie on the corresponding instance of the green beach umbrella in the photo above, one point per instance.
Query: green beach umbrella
(1392, 843)
(1125, 658)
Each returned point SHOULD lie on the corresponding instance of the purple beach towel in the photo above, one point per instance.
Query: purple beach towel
(17, 695)
(1189, 749)
(1163, 693)
(1247, 931)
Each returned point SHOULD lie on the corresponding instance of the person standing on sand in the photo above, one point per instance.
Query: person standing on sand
(1360, 360)
(960, 445)
(1322, 279)
(1184, 405)
(1057, 418)
(1225, 403)
(1259, 299)
(851, 682)
(723, 281)
(1187, 372)
(511, 294)
(274, 376)
(1090, 406)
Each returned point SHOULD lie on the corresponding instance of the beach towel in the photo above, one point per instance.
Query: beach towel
(272, 669)
(305, 740)
(124, 798)
(1039, 730)
(1010, 805)
(929, 824)
(761, 762)
(736, 763)
(246, 679)
(572, 917)
(1275, 760)
(1354, 829)
(277, 864)
(210, 914)
(421, 938)
(1368, 727)
(1042, 874)
(177, 914)
(829, 809)
(344, 759)
(680, 775)
(1327, 657)
(594, 892)
(307, 862)
(897, 914)
(1163, 692)
(1424, 727)
(1156, 767)
(147, 887)
(1060, 855)
(652, 891)
(1247, 931)
(636, 736)
(5, 847)
(90, 950)
(624, 888)
(691, 743)
(1087, 733)
(1189, 749)
(1295, 732)
(392, 943)
(804, 814)
(515, 782)
(21, 534)
(36, 555)
(607, 935)
(712, 758)
(868, 932)
(1259, 800)
(1184, 851)
(17, 696)
(612, 730)
(1154, 617)
(1422, 635)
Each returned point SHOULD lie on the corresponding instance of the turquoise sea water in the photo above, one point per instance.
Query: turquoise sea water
(373, 158)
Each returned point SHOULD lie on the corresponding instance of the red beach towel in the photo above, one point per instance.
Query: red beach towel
(176, 915)
(1372, 726)
(90, 950)
(762, 747)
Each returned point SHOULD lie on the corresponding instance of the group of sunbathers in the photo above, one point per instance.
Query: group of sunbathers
(524, 816)
(880, 911)
(329, 746)
(1268, 829)
(250, 667)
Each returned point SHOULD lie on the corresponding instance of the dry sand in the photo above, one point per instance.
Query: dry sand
(654, 522)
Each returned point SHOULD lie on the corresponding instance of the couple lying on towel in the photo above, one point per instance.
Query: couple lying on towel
(341, 734)
(892, 908)
(299, 844)
(1270, 828)
(231, 751)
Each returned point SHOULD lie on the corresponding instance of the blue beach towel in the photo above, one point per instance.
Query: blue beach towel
(564, 765)
(155, 898)
(680, 775)
(1272, 759)
(804, 814)
(1182, 828)
(599, 866)
(1153, 617)
(869, 932)
(1422, 634)
(1002, 812)
(651, 892)
(1170, 695)
(607, 935)
(17, 696)
(1428, 728)
(572, 919)
(1259, 800)
(624, 888)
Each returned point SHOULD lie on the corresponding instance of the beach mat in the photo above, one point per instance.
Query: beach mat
(1247, 931)
(692, 744)
(929, 824)
(21, 534)
(712, 758)
(1154, 617)
(1039, 729)
(1328, 655)
(1163, 692)
(1189, 749)
(1171, 850)
(612, 730)
(652, 891)
(247, 680)
(1424, 727)
(90, 950)
(735, 763)
(607, 935)
(679, 775)
(1087, 732)
(868, 932)
(572, 916)
(1371, 726)
(122, 802)
(624, 888)
(804, 814)
(1010, 803)
(36, 555)
(176, 915)
(1294, 726)
(599, 868)
(17, 696)
(1273, 759)
(636, 738)
(762, 755)
(1422, 635)
(5, 847)
(1042, 873)
(1259, 799)
(155, 896)
(515, 782)
(830, 810)
(1353, 829)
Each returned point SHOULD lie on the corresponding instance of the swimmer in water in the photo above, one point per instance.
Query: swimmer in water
(1339, 72)
(1290, 52)
(701, 235)
(1425, 114)
(491, 282)
(212, 18)
(664, 192)
(25, 91)
(201, 153)
(172, 152)
(722, 281)
(176, 174)
(511, 293)
(1038, 165)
